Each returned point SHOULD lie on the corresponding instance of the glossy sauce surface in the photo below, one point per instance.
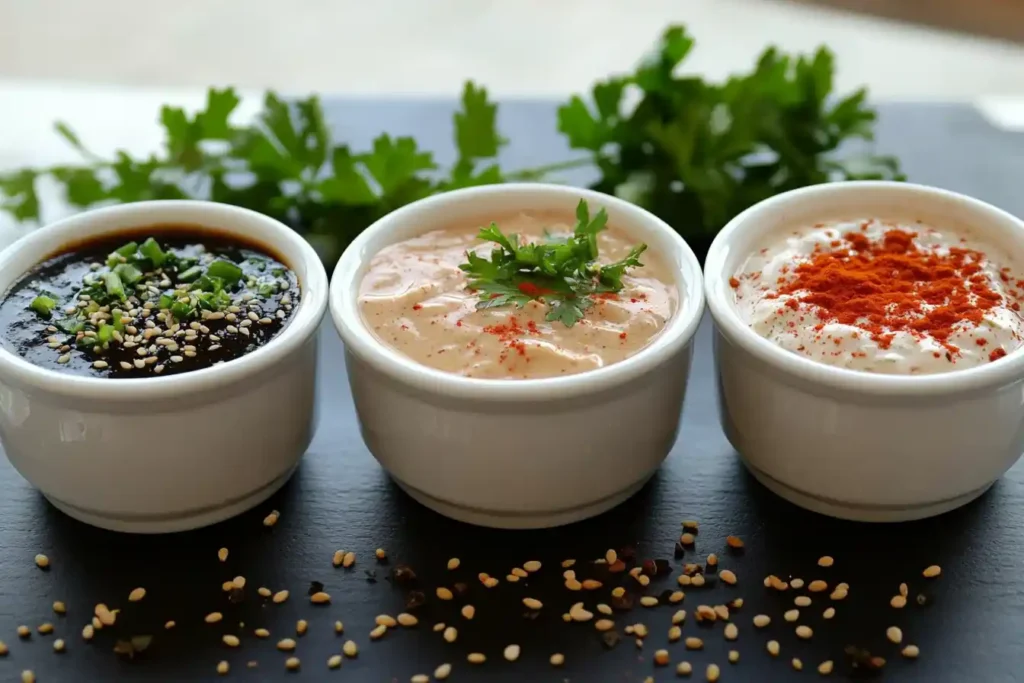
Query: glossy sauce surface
(152, 343)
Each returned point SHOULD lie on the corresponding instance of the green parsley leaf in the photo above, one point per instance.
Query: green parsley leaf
(564, 273)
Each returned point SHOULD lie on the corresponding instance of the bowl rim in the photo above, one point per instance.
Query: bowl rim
(305, 318)
(729, 323)
(360, 341)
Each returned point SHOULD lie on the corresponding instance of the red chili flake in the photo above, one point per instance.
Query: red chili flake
(981, 341)
(458, 323)
(606, 296)
(633, 300)
(734, 283)
(532, 327)
(996, 354)
(622, 335)
(416, 307)
(405, 327)
(530, 289)
(936, 354)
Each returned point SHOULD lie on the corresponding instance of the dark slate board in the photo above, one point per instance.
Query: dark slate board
(971, 630)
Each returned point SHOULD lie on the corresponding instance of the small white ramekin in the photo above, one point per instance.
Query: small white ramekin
(518, 453)
(853, 444)
(165, 453)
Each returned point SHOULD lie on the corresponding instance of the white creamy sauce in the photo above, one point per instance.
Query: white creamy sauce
(808, 329)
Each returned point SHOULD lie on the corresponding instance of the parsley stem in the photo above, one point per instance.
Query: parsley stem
(541, 171)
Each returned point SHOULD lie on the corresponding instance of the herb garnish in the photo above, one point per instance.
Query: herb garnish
(562, 273)
(695, 152)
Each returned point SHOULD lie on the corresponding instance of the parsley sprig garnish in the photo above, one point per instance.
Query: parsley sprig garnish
(562, 273)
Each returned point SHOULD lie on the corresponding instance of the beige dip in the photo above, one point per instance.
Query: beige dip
(414, 299)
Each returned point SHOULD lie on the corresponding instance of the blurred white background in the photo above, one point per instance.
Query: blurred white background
(520, 47)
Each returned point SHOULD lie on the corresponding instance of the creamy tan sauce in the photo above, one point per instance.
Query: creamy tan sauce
(414, 299)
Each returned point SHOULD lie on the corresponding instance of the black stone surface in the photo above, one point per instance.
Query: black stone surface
(972, 628)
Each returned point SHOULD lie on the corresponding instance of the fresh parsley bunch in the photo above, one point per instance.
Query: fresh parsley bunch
(694, 152)
(562, 273)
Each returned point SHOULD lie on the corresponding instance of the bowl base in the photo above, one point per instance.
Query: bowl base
(183, 521)
(520, 520)
(862, 513)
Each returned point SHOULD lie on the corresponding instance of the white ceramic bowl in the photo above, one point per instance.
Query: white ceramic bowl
(518, 453)
(165, 453)
(852, 444)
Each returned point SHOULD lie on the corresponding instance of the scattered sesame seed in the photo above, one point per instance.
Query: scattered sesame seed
(894, 634)
(804, 632)
(476, 658)
(932, 571)
(532, 566)
(454, 563)
(791, 615)
(796, 583)
(450, 634)
(378, 632)
(762, 620)
(519, 573)
(604, 625)
(693, 643)
(773, 648)
(734, 542)
(683, 580)
(640, 630)
(817, 586)
(292, 664)
(557, 659)
(137, 595)
(732, 632)
(605, 609)
(301, 626)
(385, 620)
(222, 554)
(211, 618)
(350, 649)
(231, 640)
(58, 645)
(27, 676)
(264, 592)
(286, 645)
(734, 656)
(674, 634)
(839, 594)
(687, 539)
(420, 678)
(802, 601)
(679, 617)
(280, 596)
(42, 561)
(531, 603)
(649, 601)
(334, 661)
(728, 577)
(825, 561)
(445, 594)
(45, 628)
(610, 556)
(442, 672)
(59, 607)
(512, 653)
(898, 602)
(573, 585)
(261, 633)
(713, 672)
(24, 632)
(661, 658)
(910, 651)
(320, 598)
(825, 668)
(468, 611)
(271, 519)
(350, 559)
(684, 669)
(578, 613)
(829, 613)
(88, 632)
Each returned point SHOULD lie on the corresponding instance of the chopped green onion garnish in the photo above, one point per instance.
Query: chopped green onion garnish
(114, 285)
(128, 273)
(151, 250)
(267, 289)
(43, 305)
(128, 249)
(181, 310)
(226, 271)
(165, 301)
(190, 274)
(105, 333)
(71, 325)
(115, 319)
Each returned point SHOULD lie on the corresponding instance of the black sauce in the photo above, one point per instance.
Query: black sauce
(217, 340)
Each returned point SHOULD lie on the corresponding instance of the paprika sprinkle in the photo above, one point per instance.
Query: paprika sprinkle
(883, 297)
